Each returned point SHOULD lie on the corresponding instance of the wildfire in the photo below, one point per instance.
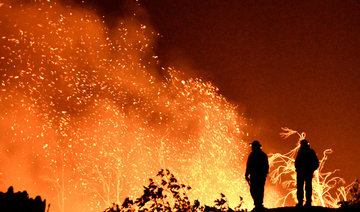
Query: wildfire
(86, 118)
(323, 183)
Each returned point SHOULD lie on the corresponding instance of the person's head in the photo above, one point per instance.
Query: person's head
(255, 145)
(304, 143)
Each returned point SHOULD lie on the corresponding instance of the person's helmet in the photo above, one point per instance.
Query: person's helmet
(255, 144)
(304, 142)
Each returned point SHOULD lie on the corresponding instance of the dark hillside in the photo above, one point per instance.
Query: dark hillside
(311, 209)
(295, 209)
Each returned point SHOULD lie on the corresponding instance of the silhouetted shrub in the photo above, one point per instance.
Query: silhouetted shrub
(167, 194)
(20, 202)
(353, 190)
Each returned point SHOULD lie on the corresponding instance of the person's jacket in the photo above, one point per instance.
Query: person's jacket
(257, 164)
(306, 161)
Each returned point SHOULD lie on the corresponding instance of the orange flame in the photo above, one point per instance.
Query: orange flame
(86, 118)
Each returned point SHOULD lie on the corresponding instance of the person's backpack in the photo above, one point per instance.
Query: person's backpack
(315, 161)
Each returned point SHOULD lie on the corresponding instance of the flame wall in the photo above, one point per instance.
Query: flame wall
(85, 118)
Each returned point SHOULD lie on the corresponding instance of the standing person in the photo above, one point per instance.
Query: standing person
(306, 163)
(257, 168)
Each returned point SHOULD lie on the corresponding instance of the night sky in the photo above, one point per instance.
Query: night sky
(284, 63)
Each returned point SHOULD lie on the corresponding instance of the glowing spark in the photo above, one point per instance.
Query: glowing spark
(84, 114)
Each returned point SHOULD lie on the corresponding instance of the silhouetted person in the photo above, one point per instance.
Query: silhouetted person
(306, 163)
(257, 168)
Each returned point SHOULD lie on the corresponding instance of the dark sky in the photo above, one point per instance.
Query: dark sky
(285, 63)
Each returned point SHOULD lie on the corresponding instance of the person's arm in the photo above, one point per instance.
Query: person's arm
(315, 161)
(247, 172)
(266, 165)
(297, 162)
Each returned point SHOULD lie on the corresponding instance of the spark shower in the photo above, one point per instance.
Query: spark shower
(86, 119)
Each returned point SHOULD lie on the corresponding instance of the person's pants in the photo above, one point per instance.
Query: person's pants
(257, 190)
(300, 179)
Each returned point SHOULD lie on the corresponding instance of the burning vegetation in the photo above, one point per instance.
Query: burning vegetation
(87, 118)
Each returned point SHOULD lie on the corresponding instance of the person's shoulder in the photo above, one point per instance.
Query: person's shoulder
(263, 153)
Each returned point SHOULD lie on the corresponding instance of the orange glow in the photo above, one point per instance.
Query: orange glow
(86, 119)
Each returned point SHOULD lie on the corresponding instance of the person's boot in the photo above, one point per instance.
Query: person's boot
(299, 205)
(258, 208)
(308, 204)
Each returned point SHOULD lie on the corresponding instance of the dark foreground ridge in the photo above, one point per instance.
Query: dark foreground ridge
(20, 202)
(311, 209)
(295, 209)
